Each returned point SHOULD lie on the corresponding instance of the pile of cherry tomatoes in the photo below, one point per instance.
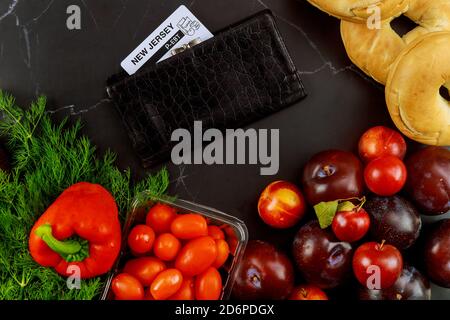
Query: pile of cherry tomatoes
(176, 257)
(382, 150)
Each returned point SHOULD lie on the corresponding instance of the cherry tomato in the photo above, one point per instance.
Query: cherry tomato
(186, 291)
(208, 285)
(379, 142)
(231, 238)
(127, 287)
(140, 239)
(223, 251)
(166, 247)
(281, 205)
(385, 176)
(166, 284)
(229, 231)
(188, 226)
(308, 292)
(233, 244)
(377, 266)
(215, 232)
(196, 256)
(160, 217)
(352, 225)
(144, 269)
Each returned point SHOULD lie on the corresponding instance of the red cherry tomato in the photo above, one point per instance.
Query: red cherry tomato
(215, 232)
(229, 231)
(160, 217)
(385, 176)
(186, 291)
(231, 238)
(351, 226)
(140, 239)
(308, 292)
(196, 256)
(281, 205)
(379, 142)
(144, 269)
(223, 251)
(166, 247)
(127, 287)
(189, 226)
(166, 284)
(208, 285)
(377, 266)
(233, 244)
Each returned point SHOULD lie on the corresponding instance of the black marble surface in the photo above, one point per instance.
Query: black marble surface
(39, 55)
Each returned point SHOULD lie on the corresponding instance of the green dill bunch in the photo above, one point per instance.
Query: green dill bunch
(47, 158)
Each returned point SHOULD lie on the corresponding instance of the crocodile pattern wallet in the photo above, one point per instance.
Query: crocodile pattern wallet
(241, 75)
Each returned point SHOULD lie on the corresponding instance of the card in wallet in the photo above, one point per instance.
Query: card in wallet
(241, 75)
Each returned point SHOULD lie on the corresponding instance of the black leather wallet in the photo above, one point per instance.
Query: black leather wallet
(241, 75)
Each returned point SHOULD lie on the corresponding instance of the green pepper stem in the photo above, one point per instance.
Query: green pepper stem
(69, 250)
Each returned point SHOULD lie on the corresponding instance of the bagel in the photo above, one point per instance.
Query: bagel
(412, 90)
(374, 51)
(356, 10)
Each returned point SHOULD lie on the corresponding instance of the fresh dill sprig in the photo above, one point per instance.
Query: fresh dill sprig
(48, 158)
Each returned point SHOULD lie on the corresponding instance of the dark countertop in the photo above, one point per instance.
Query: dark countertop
(39, 55)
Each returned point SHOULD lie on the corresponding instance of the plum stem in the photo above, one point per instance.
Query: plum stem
(351, 198)
(303, 292)
(327, 170)
(363, 201)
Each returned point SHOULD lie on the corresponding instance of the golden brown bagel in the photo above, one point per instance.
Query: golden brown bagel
(373, 51)
(412, 90)
(356, 10)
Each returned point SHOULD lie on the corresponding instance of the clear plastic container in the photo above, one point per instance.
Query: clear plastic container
(235, 230)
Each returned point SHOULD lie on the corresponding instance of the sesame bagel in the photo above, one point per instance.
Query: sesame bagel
(413, 89)
(357, 10)
(374, 50)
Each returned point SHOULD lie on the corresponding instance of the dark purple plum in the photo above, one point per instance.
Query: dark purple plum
(321, 258)
(263, 273)
(437, 254)
(393, 219)
(411, 285)
(331, 175)
(428, 182)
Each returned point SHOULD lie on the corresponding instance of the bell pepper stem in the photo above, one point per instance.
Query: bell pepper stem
(69, 250)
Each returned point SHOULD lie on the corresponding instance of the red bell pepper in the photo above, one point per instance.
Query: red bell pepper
(81, 228)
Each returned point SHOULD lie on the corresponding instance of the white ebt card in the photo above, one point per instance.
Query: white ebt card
(180, 29)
